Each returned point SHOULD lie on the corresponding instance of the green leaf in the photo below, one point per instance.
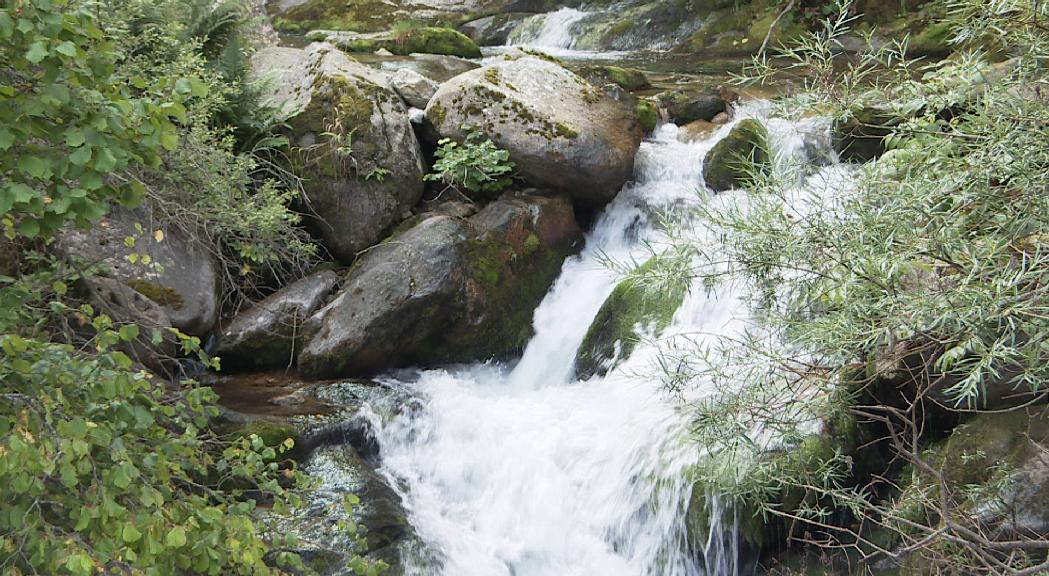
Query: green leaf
(176, 537)
(37, 52)
(130, 534)
(6, 139)
(74, 137)
(67, 48)
(81, 156)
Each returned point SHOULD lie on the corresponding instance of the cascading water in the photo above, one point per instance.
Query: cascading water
(528, 472)
(550, 30)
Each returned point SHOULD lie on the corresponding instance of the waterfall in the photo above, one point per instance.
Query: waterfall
(550, 30)
(525, 471)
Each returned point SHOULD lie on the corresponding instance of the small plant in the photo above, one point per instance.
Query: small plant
(476, 167)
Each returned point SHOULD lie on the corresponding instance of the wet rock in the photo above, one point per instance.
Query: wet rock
(625, 78)
(268, 334)
(728, 163)
(493, 30)
(695, 131)
(684, 106)
(180, 276)
(614, 332)
(360, 162)
(862, 137)
(448, 289)
(414, 88)
(563, 134)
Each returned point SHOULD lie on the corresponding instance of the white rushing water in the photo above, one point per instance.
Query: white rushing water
(525, 471)
(550, 30)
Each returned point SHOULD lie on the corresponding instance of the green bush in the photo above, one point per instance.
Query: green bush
(477, 167)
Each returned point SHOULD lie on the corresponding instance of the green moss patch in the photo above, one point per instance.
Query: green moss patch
(631, 304)
(160, 294)
(732, 161)
(409, 40)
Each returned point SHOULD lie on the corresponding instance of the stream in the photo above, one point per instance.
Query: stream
(524, 470)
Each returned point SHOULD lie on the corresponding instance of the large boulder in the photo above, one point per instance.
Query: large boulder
(354, 146)
(562, 133)
(166, 266)
(269, 333)
(633, 306)
(730, 162)
(449, 289)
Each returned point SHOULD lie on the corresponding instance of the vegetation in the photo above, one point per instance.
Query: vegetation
(907, 292)
(407, 39)
(476, 168)
(105, 467)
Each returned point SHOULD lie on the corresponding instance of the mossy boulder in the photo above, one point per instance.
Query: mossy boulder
(564, 134)
(180, 276)
(633, 305)
(448, 289)
(436, 67)
(625, 78)
(730, 162)
(410, 40)
(268, 334)
(998, 468)
(353, 143)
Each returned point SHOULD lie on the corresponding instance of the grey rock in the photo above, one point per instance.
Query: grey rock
(268, 334)
(449, 289)
(366, 178)
(181, 276)
(437, 67)
(414, 88)
(493, 30)
(563, 134)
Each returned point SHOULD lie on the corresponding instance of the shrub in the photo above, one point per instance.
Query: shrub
(477, 167)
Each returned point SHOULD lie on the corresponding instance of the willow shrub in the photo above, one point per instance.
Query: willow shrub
(941, 242)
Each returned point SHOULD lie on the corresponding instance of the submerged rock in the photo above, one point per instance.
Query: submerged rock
(729, 162)
(268, 334)
(449, 289)
(563, 133)
(625, 78)
(167, 267)
(614, 332)
(357, 154)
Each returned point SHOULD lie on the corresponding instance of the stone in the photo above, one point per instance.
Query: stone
(358, 157)
(436, 67)
(564, 134)
(180, 275)
(728, 163)
(684, 106)
(448, 289)
(414, 88)
(419, 39)
(614, 331)
(268, 334)
(493, 30)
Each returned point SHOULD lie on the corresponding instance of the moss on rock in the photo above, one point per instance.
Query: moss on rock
(612, 335)
(625, 78)
(731, 161)
(647, 115)
(408, 40)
